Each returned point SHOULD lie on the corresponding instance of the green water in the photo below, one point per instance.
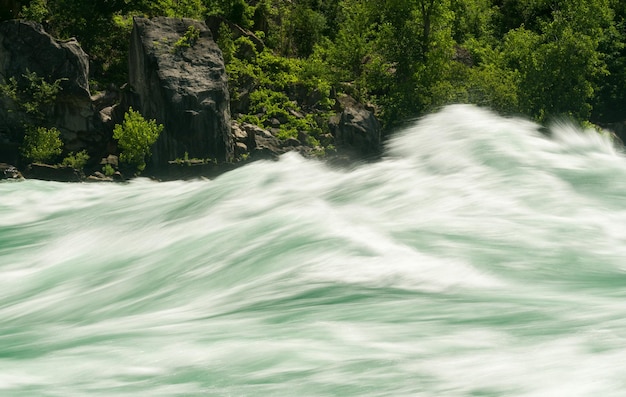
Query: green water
(478, 258)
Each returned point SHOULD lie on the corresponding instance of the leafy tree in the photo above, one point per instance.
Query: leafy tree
(41, 144)
(354, 41)
(473, 19)
(610, 102)
(305, 29)
(559, 64)
(135, 136)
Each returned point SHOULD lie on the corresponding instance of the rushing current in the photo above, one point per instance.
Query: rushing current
(478, 257)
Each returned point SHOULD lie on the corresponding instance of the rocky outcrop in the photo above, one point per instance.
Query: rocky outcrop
(8, 171)
(177, 77)
(263, 145)
(26, 48)
(48, 172)
(356, 129)
(256, 143)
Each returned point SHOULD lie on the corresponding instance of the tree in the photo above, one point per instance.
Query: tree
(135, 136)
(559, 65)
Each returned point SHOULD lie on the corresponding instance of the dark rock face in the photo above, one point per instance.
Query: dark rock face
(183, 87)
(356, 130)
(52, 173)
(26, 47)
(260, 143)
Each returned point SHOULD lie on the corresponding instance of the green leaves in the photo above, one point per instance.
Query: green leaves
(192, 34)
(135, 136)
(31, 93)
(41, 144)
(76, 160)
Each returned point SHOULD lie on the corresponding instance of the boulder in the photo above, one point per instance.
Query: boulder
(356, 130)
(261, 144)
(98, 177)
(182, 84)
(7, 171)
(48, 172)
(26, 48)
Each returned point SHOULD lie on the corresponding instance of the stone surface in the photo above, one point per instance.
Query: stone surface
(26, 47)
(261, 144)
(356, 130)
(48, 172)
(184, 88)
(111, 160)
(8, 171)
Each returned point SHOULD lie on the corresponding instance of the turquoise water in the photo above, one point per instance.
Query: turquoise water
(478, 258)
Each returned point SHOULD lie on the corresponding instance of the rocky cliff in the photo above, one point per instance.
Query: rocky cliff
(177, 77)
(26, 48)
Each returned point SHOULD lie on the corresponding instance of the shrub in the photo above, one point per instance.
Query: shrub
(36, 10)
(188, 39)
(108, 170)
(135, 136)
(76, 161)
(41, 144)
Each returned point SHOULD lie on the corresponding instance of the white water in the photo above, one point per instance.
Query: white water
(478, 258)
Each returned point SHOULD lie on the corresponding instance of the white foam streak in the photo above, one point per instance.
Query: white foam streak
(477, 258)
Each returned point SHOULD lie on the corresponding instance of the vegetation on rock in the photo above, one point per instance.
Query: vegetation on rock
(540, 58)
(31, 93)
(76, 160)
(188, 39)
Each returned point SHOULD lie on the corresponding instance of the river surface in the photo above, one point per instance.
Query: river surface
(477, 258)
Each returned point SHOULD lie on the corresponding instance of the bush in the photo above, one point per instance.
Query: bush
(41, 144)
(76, 161)
(135, 136)
(108, 170)
(188, 39)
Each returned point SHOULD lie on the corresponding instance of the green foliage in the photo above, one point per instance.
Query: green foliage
(41, 144)
(542, 58)
(288, 90)
(36, 10)
(559, 63)
(305, 29)
(494, 87)
(108, 170)
(192, 34)
(236, 11)
(31, 94)
(135, 136)
(186, 161)
(76, 160)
